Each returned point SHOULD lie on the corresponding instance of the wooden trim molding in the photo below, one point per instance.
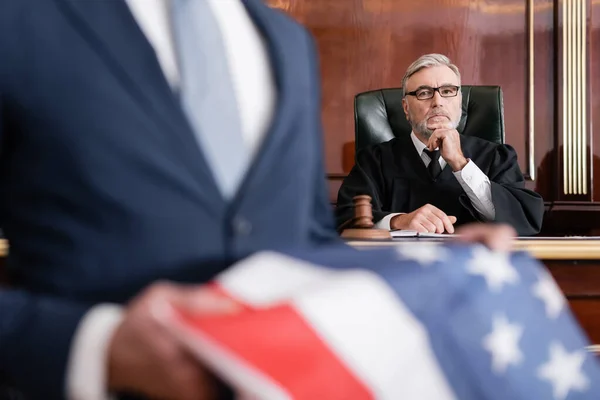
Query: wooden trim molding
(530, 161)
(574, 97)
(594, 349)
(542, 249)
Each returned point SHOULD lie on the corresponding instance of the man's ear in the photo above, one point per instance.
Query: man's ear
(405, 107)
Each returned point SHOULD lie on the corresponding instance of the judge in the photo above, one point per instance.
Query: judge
(437, 178)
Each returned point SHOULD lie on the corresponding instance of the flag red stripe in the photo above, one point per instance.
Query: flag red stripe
(220, 291)
(278, 342)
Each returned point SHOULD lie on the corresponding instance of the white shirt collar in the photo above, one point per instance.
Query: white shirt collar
(420, 146)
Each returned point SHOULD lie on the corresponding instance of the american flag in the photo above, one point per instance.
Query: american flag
(417, 321)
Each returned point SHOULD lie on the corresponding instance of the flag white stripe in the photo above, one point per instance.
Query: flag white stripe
(267, 278)
(357, 315)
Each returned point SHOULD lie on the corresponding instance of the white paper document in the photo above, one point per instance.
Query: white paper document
(410, 233)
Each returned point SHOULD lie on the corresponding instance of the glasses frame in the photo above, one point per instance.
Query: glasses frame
(434, 89)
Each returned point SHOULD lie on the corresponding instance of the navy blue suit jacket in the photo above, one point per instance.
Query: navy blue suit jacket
(103, 188)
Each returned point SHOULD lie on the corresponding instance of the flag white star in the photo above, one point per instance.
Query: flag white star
(503, 344)
(424, 253)
(546, 290)
(563, 371)
(495, 267)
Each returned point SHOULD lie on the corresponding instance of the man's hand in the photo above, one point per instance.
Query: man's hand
(144, 358)
(497, 237)
(425, 219)
(448, 140)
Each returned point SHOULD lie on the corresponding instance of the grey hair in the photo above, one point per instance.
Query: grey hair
(427, 61)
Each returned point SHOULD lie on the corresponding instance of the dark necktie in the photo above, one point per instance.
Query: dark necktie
(434, 166)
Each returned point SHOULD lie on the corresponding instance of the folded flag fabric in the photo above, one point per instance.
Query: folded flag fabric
(426, 321)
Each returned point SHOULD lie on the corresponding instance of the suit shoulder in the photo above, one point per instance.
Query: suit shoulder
(287, 24)
(298, 40)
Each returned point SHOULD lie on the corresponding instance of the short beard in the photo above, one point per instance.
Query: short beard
(420, 128)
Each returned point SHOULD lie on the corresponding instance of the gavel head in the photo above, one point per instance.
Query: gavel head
(363, 212)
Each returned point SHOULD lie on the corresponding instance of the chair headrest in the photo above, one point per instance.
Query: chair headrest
(379, 116)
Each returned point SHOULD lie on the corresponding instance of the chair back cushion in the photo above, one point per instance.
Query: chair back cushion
(379, 116)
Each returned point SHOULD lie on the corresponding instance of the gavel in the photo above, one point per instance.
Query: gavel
(360, 227)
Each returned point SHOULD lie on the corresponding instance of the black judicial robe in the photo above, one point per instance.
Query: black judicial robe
(396, 178)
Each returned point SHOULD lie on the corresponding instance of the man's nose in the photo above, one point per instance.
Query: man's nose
(437, 99)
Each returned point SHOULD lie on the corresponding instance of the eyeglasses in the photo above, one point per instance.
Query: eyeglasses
(426, 92)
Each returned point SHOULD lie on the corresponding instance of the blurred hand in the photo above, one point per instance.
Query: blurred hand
(497, 237)
(144, 358)
(448, 140)
(425, 219)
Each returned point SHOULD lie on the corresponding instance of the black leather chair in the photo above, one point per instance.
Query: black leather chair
(379, 116)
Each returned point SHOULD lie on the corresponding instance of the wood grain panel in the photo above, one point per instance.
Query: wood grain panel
(334, 183)
(544, 118)
(576, 278)
(587, 312)
(580, 282)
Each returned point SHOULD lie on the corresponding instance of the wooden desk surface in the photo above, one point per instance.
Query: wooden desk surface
(542, 249)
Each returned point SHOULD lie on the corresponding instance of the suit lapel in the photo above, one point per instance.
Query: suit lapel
(112, 30)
